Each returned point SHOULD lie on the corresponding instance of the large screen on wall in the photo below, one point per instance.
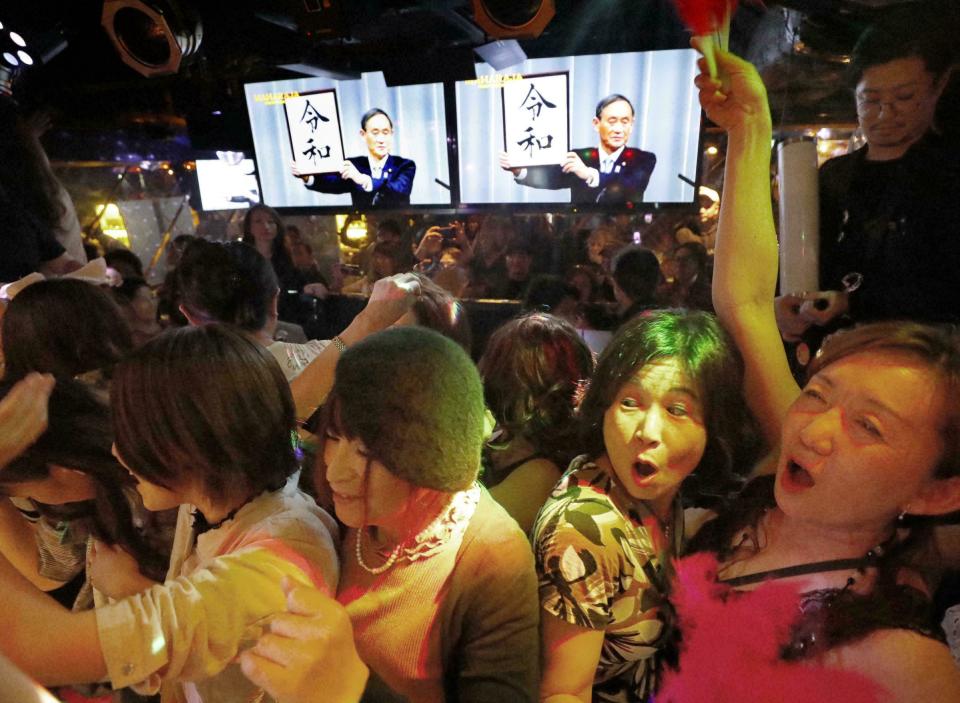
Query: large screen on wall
(533, 134)
(350, 144)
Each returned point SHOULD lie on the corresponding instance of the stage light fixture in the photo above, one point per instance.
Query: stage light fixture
(21, 49)
(153, 37)
(520, 19)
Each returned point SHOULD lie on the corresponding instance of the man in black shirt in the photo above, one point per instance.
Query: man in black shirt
(887, 211)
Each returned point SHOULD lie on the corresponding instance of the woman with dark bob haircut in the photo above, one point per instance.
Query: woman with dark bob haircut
(64, 327)
(663, 424)
(532, 369)
(202, 420)
(235, 451)
(816, 570)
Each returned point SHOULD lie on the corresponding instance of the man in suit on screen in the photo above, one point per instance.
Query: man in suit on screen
(609, 173)
(376, 179)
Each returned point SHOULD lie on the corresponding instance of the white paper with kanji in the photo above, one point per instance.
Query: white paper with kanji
(536, 120)
(313, 122)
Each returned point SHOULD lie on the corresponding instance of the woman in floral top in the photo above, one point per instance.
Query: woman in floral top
(665, 404)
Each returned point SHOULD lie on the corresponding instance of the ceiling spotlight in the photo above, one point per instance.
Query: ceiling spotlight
(522, 19)
(14, 59)
(153, 37)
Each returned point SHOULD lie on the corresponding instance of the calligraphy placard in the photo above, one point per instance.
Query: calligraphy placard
(536, 119)
(313, 123)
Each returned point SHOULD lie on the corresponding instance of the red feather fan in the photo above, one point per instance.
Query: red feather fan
(704, 17)
(731, 646)
(709, 19)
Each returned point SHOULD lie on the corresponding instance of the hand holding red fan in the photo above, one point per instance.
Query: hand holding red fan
(709, 19)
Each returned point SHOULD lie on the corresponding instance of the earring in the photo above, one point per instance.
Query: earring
(901, 517)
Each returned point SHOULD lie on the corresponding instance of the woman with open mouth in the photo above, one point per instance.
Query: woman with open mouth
(661, 421)
(868, 453)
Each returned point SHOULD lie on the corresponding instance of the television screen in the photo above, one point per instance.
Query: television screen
(350, 144)
(227, 186)
(606, 130)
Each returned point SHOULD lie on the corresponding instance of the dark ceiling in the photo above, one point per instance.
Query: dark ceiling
(103, 109)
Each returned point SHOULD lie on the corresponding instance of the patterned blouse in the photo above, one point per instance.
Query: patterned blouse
(599, 560)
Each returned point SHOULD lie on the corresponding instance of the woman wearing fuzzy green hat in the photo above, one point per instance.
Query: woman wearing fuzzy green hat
(438, 580)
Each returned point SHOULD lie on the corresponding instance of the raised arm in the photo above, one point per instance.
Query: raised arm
(391, 298)
(745, 259)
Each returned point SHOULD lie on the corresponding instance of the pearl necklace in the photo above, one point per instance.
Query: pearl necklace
(449, 524)
(391, 560)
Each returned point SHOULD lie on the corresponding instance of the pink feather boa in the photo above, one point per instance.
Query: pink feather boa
(731, 646)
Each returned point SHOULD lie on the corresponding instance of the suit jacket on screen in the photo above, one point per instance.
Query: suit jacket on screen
(626, 182)
(390, 190)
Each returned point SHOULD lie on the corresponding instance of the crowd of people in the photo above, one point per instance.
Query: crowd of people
(223, 513)
(513, 258)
